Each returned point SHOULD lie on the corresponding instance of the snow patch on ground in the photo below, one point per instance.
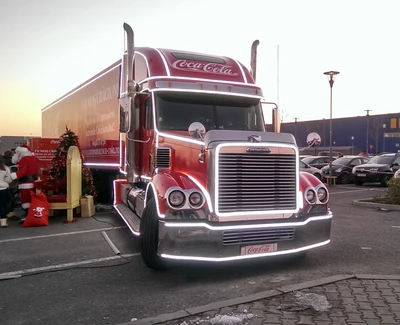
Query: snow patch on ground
(313, 300)
(230, 319)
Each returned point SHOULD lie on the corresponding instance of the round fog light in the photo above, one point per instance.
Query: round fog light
(196, 199)
(176, 198)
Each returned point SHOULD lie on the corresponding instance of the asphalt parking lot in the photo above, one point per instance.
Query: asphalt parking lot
(67, 273)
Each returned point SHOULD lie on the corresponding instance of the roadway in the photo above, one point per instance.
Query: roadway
(68, 274)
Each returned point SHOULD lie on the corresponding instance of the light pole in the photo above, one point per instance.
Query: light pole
(367, 110)
(295, 127)
(352, 145)
(383, 137)
(331, 78)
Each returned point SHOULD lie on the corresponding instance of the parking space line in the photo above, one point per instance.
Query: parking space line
(352, 191)
(65, 265)
(60, 234)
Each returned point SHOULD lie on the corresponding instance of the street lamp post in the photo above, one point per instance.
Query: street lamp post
(383, 137)
(367, 110)
(352, 145)
(295, 127)
(331, 78)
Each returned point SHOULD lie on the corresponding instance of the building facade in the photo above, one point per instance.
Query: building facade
(372, 134)
(10, 142)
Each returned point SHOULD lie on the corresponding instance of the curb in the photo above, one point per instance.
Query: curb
(258, 296)
(385, 207)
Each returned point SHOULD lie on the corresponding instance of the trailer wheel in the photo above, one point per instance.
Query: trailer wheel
(149, 237)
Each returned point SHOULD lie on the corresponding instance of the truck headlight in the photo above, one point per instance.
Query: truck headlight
(196, 199)
(176, 198)
(310, 196)
(322, 194)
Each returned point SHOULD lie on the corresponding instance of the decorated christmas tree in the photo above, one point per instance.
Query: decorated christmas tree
(58, 169)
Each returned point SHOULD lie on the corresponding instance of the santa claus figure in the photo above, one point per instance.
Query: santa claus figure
(27, 173)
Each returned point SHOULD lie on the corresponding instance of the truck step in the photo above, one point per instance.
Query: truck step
(130, 218)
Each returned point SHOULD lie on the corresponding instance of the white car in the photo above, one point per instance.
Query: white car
(397, 174)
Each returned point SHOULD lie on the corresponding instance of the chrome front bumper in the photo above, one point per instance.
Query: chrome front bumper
(201, 241)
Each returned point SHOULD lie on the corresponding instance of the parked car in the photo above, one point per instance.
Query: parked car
(335, 154)
(316, 161)
(312, 170)
(380, 169)
(342, 168)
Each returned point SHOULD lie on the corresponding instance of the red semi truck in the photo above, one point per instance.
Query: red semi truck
(194, 171)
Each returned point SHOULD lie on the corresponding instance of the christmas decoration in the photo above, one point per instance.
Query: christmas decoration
(58, 169)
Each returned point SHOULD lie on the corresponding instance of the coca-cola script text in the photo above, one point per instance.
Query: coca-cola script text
(258, 249)
(204, 67)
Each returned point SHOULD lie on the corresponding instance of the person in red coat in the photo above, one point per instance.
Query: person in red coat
(27, 173)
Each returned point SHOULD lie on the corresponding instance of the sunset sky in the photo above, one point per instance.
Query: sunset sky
(49, 47)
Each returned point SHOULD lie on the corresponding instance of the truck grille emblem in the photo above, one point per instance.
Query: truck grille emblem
(258, 149)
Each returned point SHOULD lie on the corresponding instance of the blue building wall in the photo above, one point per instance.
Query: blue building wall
(343, 129)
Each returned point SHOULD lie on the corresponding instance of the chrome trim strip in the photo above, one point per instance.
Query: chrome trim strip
(252, 226)
(242, 71)
(164, 61)
(254, 86)
(246, 213)
(205, 192)
(145, 59)
(242, 257)
(200, 91)
(101, 164)
(122, 217)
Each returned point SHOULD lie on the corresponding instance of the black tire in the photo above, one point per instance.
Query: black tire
(149, 237)
(344, 178)
(358, 182)
(318, 176)
(384, 180)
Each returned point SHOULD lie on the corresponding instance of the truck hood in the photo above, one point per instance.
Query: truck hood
(214, 136)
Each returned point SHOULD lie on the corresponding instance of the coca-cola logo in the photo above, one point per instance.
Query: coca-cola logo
(258, 249)
(208, 67)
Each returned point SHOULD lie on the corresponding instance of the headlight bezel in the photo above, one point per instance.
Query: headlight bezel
(176, 205)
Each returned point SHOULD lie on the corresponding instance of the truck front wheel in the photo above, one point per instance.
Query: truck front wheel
(149, 237)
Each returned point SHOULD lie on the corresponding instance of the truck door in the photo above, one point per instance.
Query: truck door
(146, 138)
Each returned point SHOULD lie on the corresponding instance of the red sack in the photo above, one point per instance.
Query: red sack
(38, 213)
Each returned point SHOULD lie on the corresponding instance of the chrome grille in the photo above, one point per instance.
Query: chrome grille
(256, 182)
(162, 159)
(254, 236)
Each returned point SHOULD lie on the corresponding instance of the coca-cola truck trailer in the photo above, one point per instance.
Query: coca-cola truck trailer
(196, 174)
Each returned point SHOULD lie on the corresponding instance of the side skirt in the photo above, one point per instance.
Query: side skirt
(129, 217)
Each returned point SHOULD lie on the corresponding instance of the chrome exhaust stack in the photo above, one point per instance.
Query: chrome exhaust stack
(128, 112)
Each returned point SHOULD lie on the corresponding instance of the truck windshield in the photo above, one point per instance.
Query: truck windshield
(176, 111)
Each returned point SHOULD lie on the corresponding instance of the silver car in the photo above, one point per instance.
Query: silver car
(309, 169)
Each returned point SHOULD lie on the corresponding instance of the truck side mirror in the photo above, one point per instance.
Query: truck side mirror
(197, 130)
